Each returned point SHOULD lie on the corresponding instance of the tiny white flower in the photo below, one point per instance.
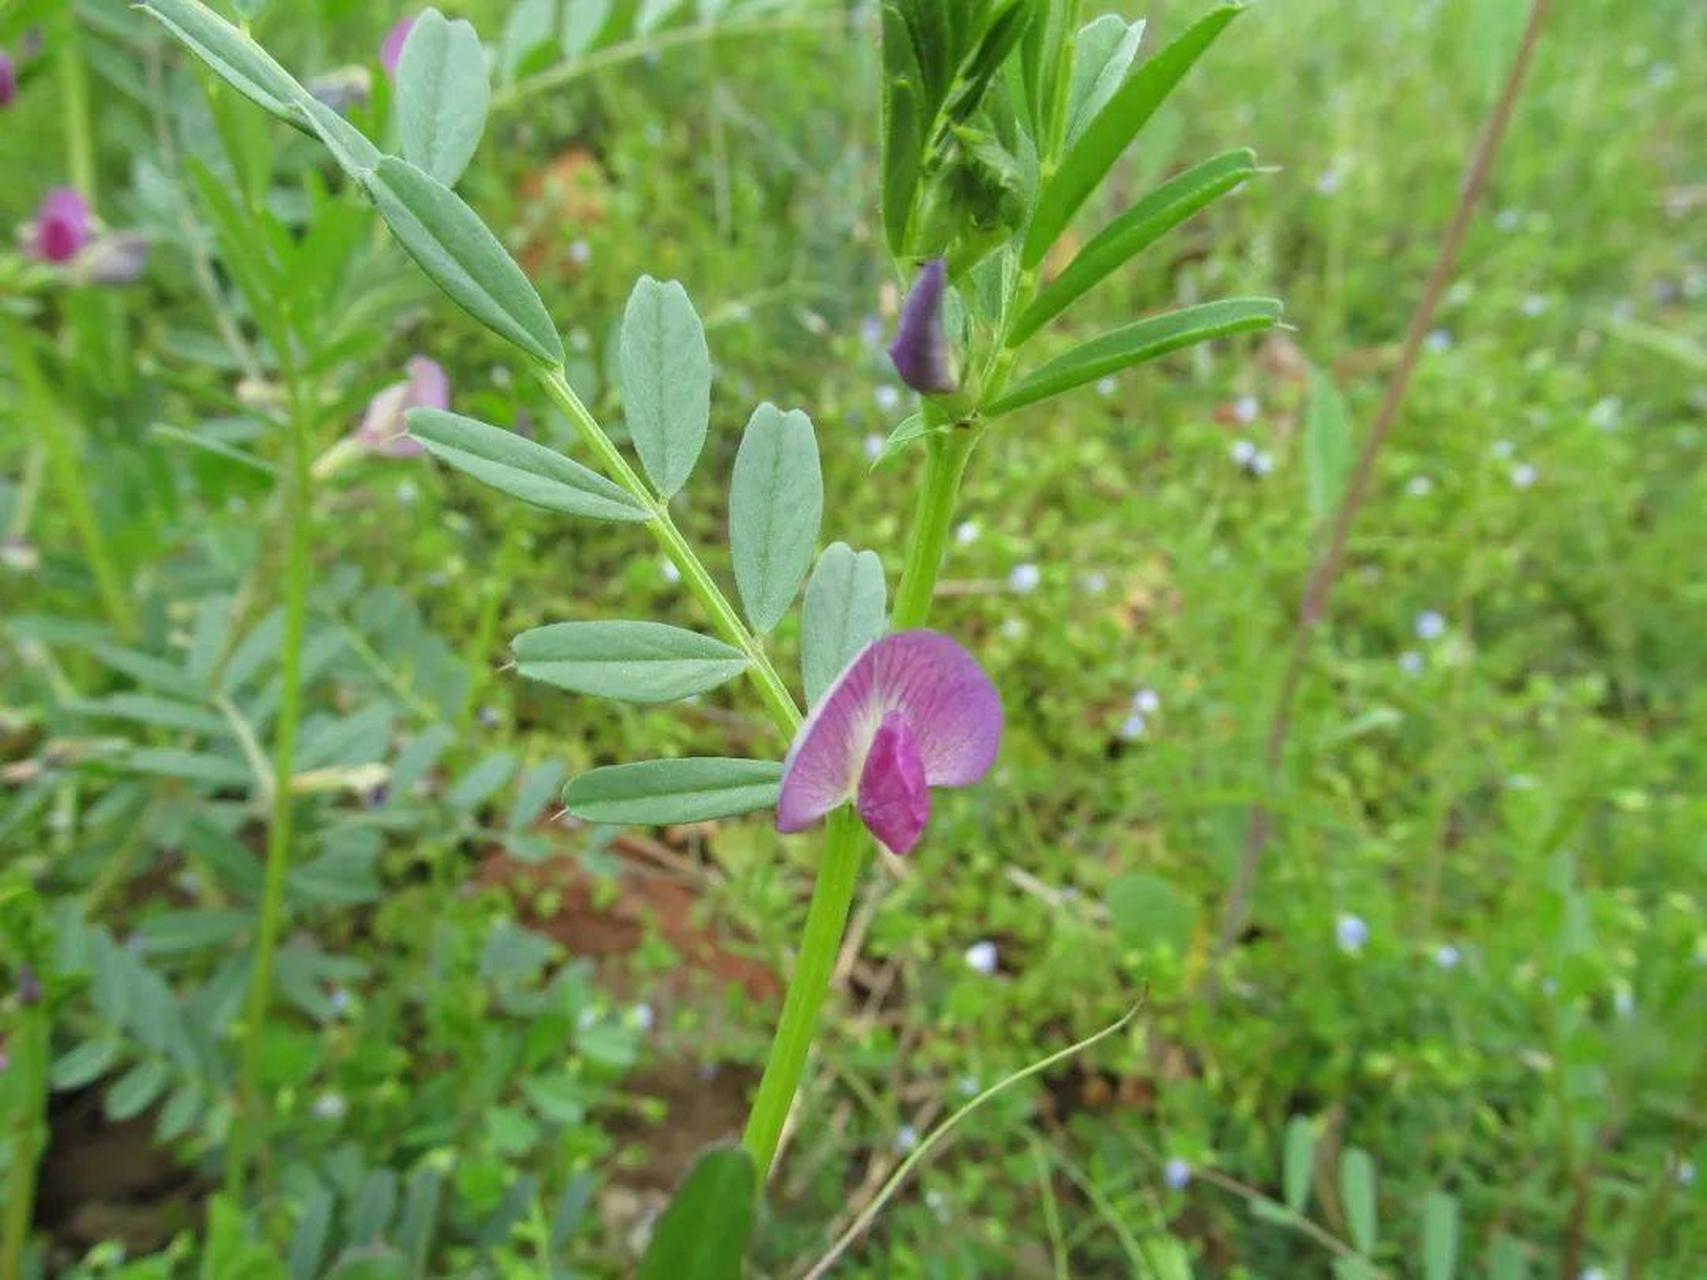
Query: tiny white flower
(1624, 1002)
(1013, 628)
(1686, 1173)
(1328, 183)
(1438, 340)
(1262, 464)
(968, 1086)
(1605, 414)
(1146, 702)
(873, 447)
(1351, 933)
(580, 253)
(643, 1016)
(1411, 662)
(672, 575)
(906, 1138)
(330, 1106)
(1245, 410)
(1550, 986)
(1430, 625)
(1106, 387)
(340, 1000)
(1025, 578)
(1534, 304)
(981, 957)
(1177, 1174)
(966, 533)
(1419, 486)
(1523, 475)
(1591, 1273)
(1509, 219)
(888, 398)
(1448, 956)
(501, 376)
(407, 492)
(1094, 582)
(1133, 728)
(1502, 449)
(1244, 452)
(871, 330)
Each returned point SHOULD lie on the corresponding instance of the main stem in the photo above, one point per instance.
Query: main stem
(29, 1050)
(945, 465)
(250, 1119)
(74, 95)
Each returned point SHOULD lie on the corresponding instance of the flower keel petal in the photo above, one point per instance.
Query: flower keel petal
(894, 801)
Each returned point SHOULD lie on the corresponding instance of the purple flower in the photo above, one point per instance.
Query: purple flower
(61, 226)
(391, 48)
(8, 79)
(383, 425)
(920, 350)
(29, 987)
(911, 712)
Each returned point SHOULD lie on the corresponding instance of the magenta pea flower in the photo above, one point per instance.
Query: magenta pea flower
(383, 429)
(920, 350)
(61, 227)
(391, 48)
(8, 80)
(913, 711)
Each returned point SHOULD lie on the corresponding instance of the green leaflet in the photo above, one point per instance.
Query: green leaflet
(1088, 161)
(233, 56)
(703, 1233)
(666, 381)
(776, 502)
(1102, 55)
(662, 792)
(645, 662)
(1440, 1236)
(442, 95)
(1136, 343)
(521, 468)
(1357, 1190)
(450, 243)
(584, 21)
(846, 609)
(1134, 231)
(1327, 444)
(1295, 1168)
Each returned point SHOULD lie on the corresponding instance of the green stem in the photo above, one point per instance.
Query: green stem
(695, 576)
(74, 95)
(832, 896)
(250, 1119)
(486, 627)
(945, 465)
(66, 466)
(28, 1126)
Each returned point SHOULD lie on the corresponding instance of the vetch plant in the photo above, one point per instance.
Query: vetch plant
(1001, 120)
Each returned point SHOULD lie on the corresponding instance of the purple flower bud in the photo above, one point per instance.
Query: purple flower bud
(920, 350)
(29, 987)
(8, 80)
(391, 48)
(61, 227)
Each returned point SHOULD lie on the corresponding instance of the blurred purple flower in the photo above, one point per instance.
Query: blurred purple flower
(920, 350)
(383, 425)
(61, 227)
(913, 711)
(29, 987)
(342, 89)
(8, 80)
(391, 48)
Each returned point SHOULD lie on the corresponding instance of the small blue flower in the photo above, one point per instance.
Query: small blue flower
(1177, 1174)
(906, 1138)
(1351, 933)
(966, 533)
(981, 957)
(1523, 475)
(1025, 578)
(1430, 625)
(873, 447)
(1133, 729)
(1411, 662)
(1419, 486)
(1438, 340)
(1448, 956)
(1146, 702)
(1094, 582)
